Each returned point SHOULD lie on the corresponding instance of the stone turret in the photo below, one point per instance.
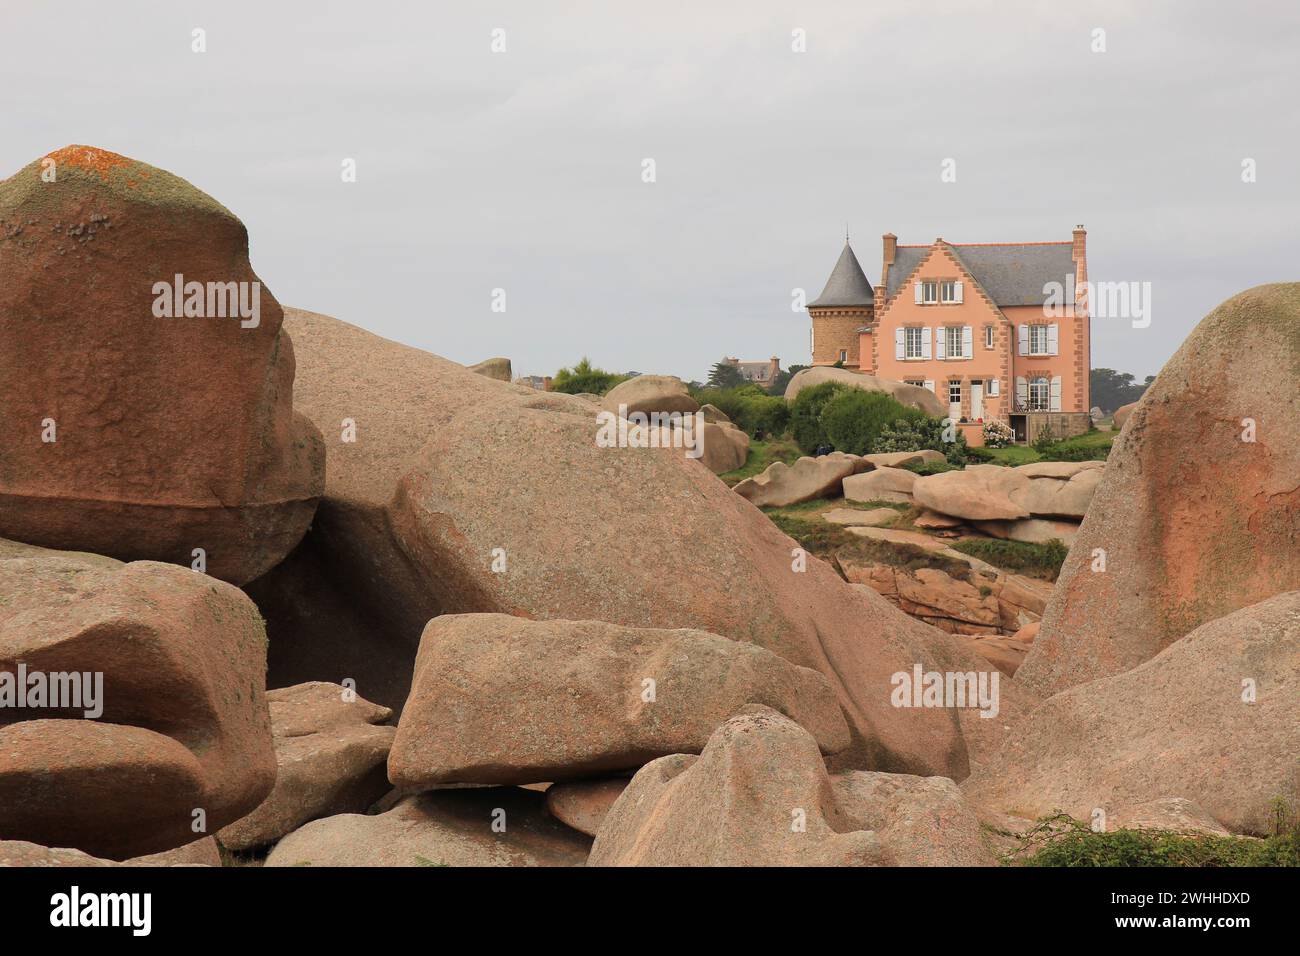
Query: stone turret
(847, 304)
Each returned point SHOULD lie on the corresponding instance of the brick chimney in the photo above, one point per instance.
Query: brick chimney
(1080, 252)
(890, 251)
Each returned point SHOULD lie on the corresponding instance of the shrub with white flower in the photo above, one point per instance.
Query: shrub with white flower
(998, 434)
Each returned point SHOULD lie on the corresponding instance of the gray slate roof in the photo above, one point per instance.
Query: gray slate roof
(848, 285)
(1011, 273)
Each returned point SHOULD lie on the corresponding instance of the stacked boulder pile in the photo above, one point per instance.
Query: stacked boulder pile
(285, 647)
(1037, 503)
(424, 655)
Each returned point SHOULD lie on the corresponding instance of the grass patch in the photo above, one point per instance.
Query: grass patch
(804, 507)
(762, 454)
(813, 534)
(1063, 841)
(1090, 446)
(906, 557)
(1035, 560)
(1014, 455)
(930, 467)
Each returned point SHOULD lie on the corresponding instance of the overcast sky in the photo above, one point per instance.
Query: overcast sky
(522, 170)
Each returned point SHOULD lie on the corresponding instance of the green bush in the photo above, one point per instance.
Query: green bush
(931, 467)
(806, 413)
(980, 456)
(854, 419)
(1081, 448)
(1037, 560)
(749, 407)
(917, 432)
(1046, 438)
(1062, 841)
(584, 377)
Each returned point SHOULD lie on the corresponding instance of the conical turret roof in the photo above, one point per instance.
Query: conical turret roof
(847, 286)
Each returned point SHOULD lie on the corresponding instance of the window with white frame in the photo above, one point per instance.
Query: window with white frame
(954, 392)
(844, 355)
(988, 336)
(919, 383)
(1038, 340)
(947, 290)
(913, 337)
(952, 343)
(929, 292)
(1040, 394)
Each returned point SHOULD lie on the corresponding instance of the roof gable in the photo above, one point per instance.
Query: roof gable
(1011, 273)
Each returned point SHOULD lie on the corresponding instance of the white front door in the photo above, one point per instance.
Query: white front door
(977, 400)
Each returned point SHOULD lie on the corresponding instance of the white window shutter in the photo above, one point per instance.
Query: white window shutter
(968, 342)
(925, 343)
(1022, 391)
(993, 388)
(1024, 339)
(929, 384)
(1056, 393)
(941, 343)
(916, 289)
(1053, 338)
(898, 344)
(957, 291)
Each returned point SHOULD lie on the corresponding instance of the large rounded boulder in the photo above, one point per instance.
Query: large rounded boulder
(1198, 511)
(159, 731)
(912, 395)
(148, 385)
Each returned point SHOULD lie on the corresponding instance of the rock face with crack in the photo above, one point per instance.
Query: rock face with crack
(1198, 514)
(484, 826)
(184, 724)
(164, 426)
(942, 586)
(1184, 724)
(499, 699)
(332, 750)
(760, 795)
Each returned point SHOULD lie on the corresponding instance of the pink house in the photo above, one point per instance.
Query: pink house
(996, 330)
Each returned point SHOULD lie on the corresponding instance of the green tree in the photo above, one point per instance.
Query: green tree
(585, 377)
(782, 379)
(1111, 389)
(725, 375)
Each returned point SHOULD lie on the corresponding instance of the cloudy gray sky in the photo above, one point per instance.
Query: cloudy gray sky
(522, 170)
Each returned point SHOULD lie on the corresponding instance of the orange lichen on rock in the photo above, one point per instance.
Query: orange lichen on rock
(91, 159)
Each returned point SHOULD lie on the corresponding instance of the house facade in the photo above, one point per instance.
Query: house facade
(760, 373)
(996, 330)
